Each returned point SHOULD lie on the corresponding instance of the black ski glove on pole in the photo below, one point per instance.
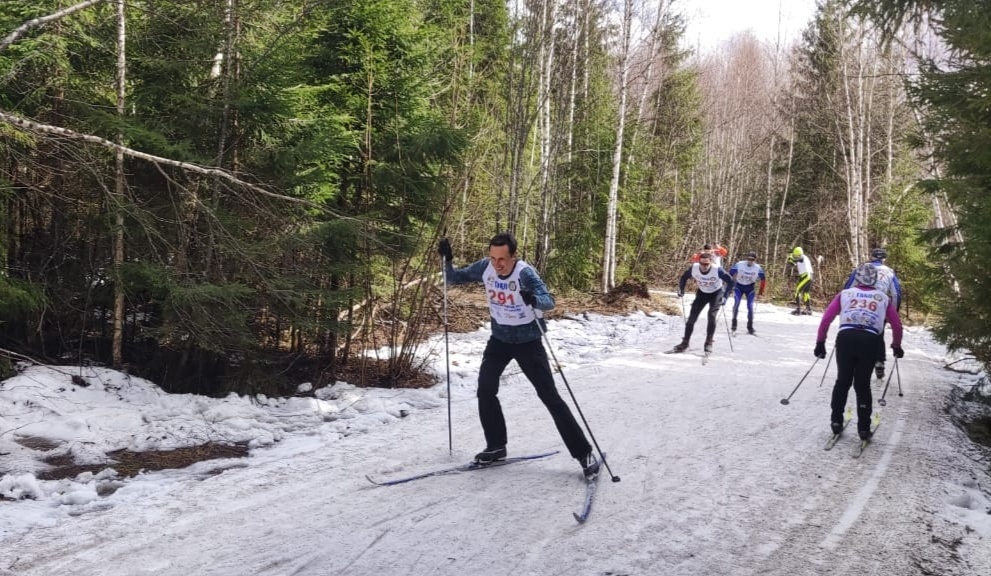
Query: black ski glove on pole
(444, 249)
(820, 351)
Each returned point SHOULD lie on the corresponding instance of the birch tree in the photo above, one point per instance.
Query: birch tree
(609, 247)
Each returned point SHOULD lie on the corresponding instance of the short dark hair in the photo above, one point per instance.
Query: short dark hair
(504, 239)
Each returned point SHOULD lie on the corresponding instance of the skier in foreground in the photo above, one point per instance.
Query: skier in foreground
(517, 297)
(746, 273)
(709, 280)
(863, 311)
(888, 283)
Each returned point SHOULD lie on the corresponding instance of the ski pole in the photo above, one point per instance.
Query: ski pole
(882, 401)
(683, 318)
(728, 335)
(828, 362)
(788, 399)
(899, 378)
(574, 400)
(447, 357)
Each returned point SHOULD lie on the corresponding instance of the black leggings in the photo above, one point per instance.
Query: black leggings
(856, 353)
(701, 299)
(532, 359)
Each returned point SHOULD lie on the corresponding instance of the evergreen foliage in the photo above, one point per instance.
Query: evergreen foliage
(952, 94)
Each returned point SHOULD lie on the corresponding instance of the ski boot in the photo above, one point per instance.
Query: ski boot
(879, 370)
(589, 464)
(681, 347)
(708, 346)
(490, 455)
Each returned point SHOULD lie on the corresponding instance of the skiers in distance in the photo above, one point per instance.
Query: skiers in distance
(709, 280)
(718, 253)
(517, 299)
(746, 273)
(888, 283)
(863, 310)
(803, 267)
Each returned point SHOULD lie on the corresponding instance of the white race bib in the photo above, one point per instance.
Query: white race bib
(506, 306)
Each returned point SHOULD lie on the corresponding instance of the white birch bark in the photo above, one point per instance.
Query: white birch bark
(117, 339)
(609, 251)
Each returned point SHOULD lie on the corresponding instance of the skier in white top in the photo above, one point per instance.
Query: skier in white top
(803, 267)
(709, 281)
(747, 273)
(863, 311)
(517, 298)
(888, 283)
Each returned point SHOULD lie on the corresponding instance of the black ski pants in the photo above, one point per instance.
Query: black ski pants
(701, 299)
(856, 353)
(532, 359)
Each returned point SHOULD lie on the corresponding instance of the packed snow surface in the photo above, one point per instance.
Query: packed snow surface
(717, 476)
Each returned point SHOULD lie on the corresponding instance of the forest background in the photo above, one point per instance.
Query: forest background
(221, 195)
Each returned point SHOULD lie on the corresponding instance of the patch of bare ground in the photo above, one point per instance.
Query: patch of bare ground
(130, 464)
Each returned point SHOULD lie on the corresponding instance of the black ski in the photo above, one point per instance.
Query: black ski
(847, 418)
(673, 351)
(460, 468)
(590, 486)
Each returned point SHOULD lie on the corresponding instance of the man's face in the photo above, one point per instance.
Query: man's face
(750, 261)
(704, 264)
(501, 260)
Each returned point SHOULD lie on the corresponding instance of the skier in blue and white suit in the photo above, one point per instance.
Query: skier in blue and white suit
(709, 279)
(887, 283)
(517, 298)
(747, 273)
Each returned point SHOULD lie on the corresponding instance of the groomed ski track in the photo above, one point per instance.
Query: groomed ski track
(717, 478)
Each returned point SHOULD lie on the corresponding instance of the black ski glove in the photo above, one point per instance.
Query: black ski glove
(820, 351)
(681, 293)
(528, 297)
(897, 351)
(444, 249)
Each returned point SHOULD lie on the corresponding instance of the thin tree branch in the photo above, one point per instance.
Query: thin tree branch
(49, 130)
(42, 20)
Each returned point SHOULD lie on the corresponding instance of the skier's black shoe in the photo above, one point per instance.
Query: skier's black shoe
(708, 346)
(751, 331)
(490, 455)
(879, 370)
(680, 347)
(796, 312)
(733, 327)
(808, 310)
(837, 427)
(589, 464)
(865, 434)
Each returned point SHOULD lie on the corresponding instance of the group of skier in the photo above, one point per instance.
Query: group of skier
(517, 298)
(869, 300)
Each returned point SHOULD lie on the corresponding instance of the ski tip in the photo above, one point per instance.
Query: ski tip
(373, 481)
(579, 518)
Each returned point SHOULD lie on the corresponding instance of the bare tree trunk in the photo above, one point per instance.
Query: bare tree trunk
(117, 343)
(609, 249)
(547, 73)
(784, 193)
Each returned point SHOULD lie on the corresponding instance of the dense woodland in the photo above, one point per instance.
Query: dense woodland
(216, 194)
